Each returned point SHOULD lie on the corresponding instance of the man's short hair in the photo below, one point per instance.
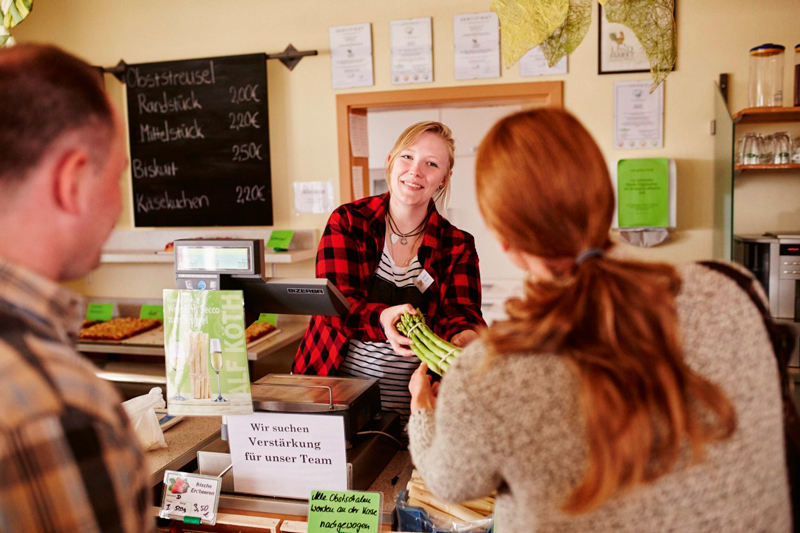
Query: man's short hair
(45, 94)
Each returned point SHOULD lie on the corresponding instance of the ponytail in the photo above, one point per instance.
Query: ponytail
(615, 322)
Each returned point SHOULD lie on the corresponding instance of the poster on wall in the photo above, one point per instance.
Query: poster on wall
(638, 116)
(412, 53)
(351, 56)
(476, 38)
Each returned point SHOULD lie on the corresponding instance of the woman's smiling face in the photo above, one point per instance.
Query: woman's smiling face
(419, 170)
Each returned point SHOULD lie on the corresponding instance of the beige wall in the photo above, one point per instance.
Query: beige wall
(714, 36)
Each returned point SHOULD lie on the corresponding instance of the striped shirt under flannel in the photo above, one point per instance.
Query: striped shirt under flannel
(377, 359)
(69, 459)
(348, 255)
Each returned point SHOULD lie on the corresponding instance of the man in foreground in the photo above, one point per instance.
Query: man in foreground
(69, 459)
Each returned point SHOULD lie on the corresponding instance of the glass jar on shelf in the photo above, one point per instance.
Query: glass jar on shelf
(766, 75)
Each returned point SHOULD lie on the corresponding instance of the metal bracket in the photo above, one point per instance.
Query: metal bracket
(291, 56)
(118, 71)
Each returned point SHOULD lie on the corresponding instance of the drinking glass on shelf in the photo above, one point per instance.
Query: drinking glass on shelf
(738, 153)
(176, 357)
(767, 149)
(216, 365)
(796, 150)
(783, 148)
(752, 149)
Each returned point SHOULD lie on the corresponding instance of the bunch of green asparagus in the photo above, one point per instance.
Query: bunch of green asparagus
(431, 349)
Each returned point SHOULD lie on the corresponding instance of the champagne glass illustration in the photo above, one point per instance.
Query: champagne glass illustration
(176, 355)
(216, 364)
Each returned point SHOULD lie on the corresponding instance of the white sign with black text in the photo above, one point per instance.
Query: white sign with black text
(351, 56)
(283, 454)
(476, 37)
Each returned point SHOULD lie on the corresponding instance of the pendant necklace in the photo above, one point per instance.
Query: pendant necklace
(396, 234)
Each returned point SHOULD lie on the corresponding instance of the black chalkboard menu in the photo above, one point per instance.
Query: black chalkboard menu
(199, 140)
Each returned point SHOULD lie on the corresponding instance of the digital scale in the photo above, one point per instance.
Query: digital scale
(238, 264)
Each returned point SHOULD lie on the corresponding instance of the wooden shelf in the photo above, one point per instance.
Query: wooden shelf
(754, 115)
(744, 168)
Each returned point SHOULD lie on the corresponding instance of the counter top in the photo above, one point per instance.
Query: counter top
(183, 441)
(193, 433)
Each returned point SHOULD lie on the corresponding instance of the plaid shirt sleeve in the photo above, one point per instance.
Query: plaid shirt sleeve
(341, 258)
(461, 299)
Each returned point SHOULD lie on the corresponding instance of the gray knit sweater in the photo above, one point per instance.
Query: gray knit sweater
(515, 426)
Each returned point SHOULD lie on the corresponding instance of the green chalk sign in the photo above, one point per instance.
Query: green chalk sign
(331, 511)
(268, 317)
(643, 193)
(280, 240)
(152, 311)
(99, 311)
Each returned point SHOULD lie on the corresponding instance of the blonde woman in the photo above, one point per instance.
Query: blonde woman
(390, 254)
(619, 395)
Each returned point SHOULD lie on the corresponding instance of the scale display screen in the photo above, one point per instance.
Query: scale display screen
(213, 259)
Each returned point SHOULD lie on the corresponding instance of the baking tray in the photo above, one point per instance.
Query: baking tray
(151, 342)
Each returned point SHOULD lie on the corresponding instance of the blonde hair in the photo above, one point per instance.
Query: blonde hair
(543, 185)
(410, 136)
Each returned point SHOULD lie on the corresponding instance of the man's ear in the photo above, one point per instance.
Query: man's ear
(69, 178)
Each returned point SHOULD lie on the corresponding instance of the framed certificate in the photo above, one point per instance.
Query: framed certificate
(619, 51)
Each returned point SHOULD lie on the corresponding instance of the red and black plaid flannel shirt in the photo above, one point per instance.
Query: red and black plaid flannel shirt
(348, 256)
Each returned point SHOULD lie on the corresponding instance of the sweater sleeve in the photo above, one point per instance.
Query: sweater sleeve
(453, 471)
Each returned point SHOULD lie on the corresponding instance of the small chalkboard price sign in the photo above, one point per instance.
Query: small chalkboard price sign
(199, 140)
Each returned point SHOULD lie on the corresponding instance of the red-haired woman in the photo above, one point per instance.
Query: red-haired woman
(619, 395)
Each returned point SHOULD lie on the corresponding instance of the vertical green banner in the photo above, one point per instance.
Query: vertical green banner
(643, 193)
(206, 353)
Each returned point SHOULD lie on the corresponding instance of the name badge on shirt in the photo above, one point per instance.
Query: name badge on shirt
(423, 281)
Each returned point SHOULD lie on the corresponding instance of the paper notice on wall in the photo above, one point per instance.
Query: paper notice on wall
(535, 64)
(646, 200)
(358, 183)
(638, 115)
(359, 140)
(313, 197)
(476, 38)
(351, 56)
(412, 56)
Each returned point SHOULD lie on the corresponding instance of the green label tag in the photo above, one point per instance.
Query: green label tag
(152, 311)
(331, 511)
(100, 312)
(268, 317)
(280, 240)
(191, 519)
(643, 192)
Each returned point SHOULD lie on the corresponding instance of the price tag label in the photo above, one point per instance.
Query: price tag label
(280, 240)
(331, 511)
(268, 317)
(99, 311)
(152, 311)
(192, 498)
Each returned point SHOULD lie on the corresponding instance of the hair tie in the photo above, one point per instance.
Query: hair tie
(589, 253)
